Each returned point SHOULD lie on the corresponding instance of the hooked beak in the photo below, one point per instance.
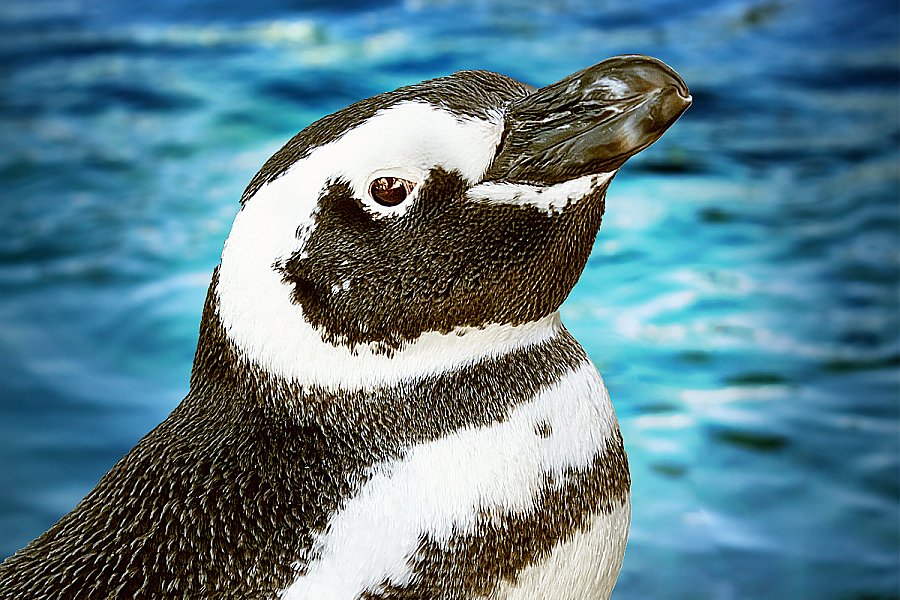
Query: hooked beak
(591, 122)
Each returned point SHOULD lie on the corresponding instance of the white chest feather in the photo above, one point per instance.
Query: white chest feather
(440, 489)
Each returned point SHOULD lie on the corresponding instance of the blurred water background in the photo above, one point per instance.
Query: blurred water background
(741, 300)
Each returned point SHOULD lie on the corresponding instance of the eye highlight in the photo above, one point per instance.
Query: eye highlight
(390, 191)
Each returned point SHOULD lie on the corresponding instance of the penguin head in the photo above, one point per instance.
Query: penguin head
(433, 223)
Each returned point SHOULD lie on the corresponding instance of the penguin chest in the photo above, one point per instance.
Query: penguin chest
(533, 506)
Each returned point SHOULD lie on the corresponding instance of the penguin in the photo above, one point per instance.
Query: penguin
(384, 403)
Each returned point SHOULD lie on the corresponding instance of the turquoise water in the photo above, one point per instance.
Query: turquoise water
(741, 300)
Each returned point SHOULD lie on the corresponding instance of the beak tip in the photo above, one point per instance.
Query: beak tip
(686, 99)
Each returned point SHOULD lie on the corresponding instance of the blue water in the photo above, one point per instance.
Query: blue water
(741, 300)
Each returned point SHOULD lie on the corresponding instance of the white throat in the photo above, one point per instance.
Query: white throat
(294, 350)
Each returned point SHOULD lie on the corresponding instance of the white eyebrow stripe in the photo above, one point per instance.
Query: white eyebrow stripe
(550, 199)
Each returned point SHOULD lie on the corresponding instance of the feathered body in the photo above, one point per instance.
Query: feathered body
(384, 403)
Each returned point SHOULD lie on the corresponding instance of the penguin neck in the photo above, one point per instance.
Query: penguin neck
(319, 368)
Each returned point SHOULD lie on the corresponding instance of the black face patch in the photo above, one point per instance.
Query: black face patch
(466, 93)
(447, 262)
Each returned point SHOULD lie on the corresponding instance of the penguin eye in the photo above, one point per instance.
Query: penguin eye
(390, 191)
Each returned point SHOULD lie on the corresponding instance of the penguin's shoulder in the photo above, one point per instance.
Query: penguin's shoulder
(190, 511)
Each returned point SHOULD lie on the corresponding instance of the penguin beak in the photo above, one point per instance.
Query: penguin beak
(591, 122)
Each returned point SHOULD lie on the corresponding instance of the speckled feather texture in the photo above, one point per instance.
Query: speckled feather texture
(384, 403)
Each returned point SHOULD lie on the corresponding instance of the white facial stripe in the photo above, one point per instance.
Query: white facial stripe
(255, 305)
(408, 140)
(440, 486)
(550, 199)
(294, 350)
